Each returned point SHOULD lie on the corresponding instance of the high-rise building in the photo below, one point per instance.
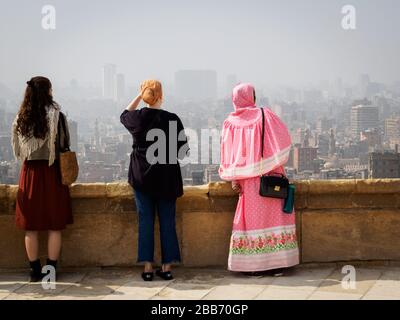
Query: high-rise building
(363, 117)
(109, 73)
(196, 84)
(384, 165)
(119, 87)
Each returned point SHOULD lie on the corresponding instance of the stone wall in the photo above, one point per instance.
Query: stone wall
(341, 220)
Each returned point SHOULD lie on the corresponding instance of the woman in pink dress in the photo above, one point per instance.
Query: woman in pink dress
(263, 236)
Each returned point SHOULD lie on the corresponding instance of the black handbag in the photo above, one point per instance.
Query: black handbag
(274, 185)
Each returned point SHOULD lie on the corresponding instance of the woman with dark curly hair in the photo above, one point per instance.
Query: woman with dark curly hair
(43, 202)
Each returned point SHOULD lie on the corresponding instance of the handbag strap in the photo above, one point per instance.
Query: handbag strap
(262, 135)
(63, 127)
(262, 142)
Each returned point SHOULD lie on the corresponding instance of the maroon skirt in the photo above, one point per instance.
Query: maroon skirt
(43, 202)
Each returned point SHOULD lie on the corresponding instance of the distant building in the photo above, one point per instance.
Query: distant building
(323, 141)
(290, 162)
(332, 143)
(212, 174)
(196, 84)
(384, 165)
(109, 74)
(392, 128)
(373, 138)
(363, 117)
(332, 174)
(324, 124)
(303, 158)
(198, 178)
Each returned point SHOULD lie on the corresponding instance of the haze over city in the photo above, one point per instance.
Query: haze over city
(266, 42)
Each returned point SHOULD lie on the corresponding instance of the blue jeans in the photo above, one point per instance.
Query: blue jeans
(146, 206)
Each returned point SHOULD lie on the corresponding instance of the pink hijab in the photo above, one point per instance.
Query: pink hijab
(241, 139)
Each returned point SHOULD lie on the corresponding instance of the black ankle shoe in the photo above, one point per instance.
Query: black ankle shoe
(52, 263)
(147, 276)
(167, 275)
(35, 274)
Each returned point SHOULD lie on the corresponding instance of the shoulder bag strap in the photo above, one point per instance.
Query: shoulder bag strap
(262, 135)
(64, 130)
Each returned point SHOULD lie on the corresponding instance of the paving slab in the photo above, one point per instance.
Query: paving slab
(300, 283)
(365, 278)
(278, 293)
(36, 290)
(388, 285)
(137, 290)
(183, 291)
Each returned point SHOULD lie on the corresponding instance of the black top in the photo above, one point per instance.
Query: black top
(160, 174)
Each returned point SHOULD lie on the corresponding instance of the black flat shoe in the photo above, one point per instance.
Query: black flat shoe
(147, 276)
(165, 275)
(35, 277)
(278, 272)
(253, 274)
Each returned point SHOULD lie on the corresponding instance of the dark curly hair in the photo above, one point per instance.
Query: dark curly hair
(32, 115)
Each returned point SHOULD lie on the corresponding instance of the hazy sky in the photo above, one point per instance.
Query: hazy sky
(266, 41)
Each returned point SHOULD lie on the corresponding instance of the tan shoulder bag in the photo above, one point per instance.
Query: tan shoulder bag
(68, 161)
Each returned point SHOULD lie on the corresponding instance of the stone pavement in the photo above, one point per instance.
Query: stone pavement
(303, 282)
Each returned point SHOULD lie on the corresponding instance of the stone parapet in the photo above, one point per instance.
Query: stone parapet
(337, 221)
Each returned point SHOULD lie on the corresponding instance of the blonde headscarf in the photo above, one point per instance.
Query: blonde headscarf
(151, 91)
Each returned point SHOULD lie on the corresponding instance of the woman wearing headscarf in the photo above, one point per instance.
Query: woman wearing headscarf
(263, 236)
(156, 179)
(43, 202)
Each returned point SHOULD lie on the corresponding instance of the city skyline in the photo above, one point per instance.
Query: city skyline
(336, 88)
